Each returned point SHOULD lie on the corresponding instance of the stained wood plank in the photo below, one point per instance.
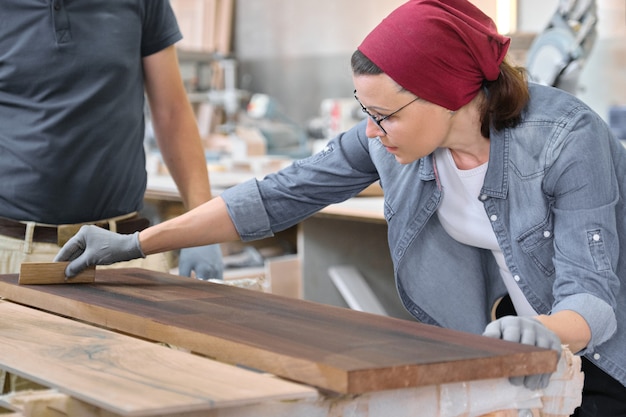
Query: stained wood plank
(34, 273)
(123, 374)
(329, 347)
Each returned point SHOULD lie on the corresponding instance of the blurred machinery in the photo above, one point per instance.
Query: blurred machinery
(336, 115)
(282, 135)
(224, 110)
(558, 53)
(229, 98)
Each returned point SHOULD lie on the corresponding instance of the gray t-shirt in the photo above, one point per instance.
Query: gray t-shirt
(71, 105)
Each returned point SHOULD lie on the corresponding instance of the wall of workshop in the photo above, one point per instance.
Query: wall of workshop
(299, 52)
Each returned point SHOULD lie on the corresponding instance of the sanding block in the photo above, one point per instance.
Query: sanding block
(34, 273)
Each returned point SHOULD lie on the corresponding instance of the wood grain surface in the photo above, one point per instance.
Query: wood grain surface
(125, 375)
(328, 347)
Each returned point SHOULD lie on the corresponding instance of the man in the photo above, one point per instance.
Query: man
(73, 80)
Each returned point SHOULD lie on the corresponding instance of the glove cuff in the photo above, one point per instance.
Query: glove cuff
(138, 251)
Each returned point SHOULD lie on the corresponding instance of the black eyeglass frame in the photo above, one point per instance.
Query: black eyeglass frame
(378, 121)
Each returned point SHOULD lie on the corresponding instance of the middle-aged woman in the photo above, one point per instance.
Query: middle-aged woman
(492, 187)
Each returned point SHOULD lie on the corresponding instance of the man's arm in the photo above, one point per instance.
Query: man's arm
(175, 127)
(179, 140)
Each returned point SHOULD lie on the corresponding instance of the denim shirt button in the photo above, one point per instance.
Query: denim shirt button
(483, 197)
(546, 233)
(596, 237)
(596, 356)
(493, 217)
(516, 278)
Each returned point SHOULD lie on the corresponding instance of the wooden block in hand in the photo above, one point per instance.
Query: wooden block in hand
(33, 273)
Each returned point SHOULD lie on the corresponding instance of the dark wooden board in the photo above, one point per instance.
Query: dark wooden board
(328, 347)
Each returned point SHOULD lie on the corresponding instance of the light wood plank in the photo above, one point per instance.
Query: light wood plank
(37, 273)
(125, 375)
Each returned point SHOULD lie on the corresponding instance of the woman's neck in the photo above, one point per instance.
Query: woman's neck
(469, 148)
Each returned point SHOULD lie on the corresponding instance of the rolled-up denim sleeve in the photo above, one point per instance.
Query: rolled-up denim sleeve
(246, 209)
(598, 314)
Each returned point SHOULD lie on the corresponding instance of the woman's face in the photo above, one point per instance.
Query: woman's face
(411, 133)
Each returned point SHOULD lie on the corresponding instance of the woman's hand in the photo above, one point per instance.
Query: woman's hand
(528, 331)
(93, 245)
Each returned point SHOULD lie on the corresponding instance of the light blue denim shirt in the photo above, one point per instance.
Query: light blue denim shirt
(554, 192)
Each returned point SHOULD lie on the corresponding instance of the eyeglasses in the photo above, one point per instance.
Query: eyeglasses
(379, 120)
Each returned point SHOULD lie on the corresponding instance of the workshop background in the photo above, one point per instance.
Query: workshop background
(270, 82)
(298, 52)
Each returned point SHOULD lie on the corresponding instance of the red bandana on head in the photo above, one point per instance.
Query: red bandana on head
(440, 50)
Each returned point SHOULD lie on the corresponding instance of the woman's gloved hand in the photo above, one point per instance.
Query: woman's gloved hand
(528, 331)
(93, 245)
(205, 262)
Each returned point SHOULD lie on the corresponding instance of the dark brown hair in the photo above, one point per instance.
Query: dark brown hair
(506, 97)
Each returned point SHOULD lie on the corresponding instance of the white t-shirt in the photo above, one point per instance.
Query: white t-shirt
(463, 217)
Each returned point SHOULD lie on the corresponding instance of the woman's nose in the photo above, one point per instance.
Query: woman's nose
(372, 130)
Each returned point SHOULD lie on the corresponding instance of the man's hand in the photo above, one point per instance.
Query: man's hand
(93, 245)
(528, 331)
(204, 261)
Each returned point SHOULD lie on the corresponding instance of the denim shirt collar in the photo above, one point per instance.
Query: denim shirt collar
(426, 170)
(496, 182)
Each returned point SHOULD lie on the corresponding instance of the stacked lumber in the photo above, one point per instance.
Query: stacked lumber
(333, 348)
(395, 367)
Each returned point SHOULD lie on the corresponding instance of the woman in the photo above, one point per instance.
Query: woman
(492, 187)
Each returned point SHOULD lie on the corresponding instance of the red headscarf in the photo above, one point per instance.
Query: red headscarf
(440, 50)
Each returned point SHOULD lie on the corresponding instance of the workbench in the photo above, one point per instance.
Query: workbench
(349, 234)
(141, 343)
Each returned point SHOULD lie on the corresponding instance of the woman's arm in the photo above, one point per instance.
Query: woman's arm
(206, 224)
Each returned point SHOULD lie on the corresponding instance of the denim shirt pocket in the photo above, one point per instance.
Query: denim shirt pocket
(598, 250)
(538, 244)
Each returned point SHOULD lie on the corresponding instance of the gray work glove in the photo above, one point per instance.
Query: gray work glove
(528, 331)
(93, 245)
(205, 261)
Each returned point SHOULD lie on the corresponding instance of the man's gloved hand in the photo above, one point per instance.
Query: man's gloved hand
(528, 331)
(93, 245)
(205, 261)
